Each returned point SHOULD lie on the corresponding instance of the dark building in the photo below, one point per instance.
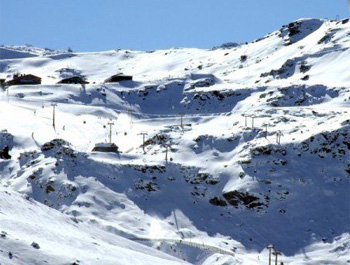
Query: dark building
(74, 80)
(19, 79)
(2, 83)
(106, 147)
(118, 78)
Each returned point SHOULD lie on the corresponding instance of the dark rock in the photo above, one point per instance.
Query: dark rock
(218, 202)
(3, 234)
(31, 177)
(35, 245)
(146, 185)
(304, 67)
(243, 58)
(49, 189)
(54, 144)
(4, 153)
(212, 181)
(264, 150)
(248, 200)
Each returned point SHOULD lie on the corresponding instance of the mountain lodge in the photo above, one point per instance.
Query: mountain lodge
(26, 79)
(74, 80)
(118, 78)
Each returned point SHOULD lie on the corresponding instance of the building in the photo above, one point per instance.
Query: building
(118, 78)
(26, 79)
(2, 83)
(74, 80)
(106, 147)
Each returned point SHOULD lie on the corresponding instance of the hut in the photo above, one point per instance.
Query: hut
(26, 79)
(118, 78)
(106, 148)
(74, 80)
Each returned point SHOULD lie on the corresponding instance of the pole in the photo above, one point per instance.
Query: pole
(278, 135)
(53, 115)
(252, 121)
(130, 116)
(177, 226)
(266, 131)
(143, 141)
(110, 131)
(8, 94)
(182, 123)
(270, 247)
(276, 253)
(166, 152)
(245, 119)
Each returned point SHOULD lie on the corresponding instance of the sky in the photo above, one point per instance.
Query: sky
(97, 25)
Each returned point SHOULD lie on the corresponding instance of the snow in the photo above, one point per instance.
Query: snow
(104, 145)
(227, 190)
(62, 240)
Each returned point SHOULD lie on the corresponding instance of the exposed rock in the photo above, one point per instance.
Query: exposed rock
(248, 200)
(4, 153)
(35, 245)
(218, 202)
(49, 189)
(54, 144)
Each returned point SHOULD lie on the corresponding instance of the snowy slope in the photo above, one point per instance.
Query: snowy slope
(35, 234)
(233, 188)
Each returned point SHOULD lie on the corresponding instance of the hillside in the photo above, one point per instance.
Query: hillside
(262, 155)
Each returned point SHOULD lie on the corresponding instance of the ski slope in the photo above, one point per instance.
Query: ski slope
(231, 186)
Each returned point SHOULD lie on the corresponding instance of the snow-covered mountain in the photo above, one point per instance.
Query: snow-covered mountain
(262, 155)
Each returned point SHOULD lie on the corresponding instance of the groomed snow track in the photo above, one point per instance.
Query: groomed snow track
(185, 242)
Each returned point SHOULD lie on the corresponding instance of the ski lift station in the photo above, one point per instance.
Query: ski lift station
(106, 148)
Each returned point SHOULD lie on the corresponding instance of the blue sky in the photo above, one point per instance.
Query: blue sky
(95, 25)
